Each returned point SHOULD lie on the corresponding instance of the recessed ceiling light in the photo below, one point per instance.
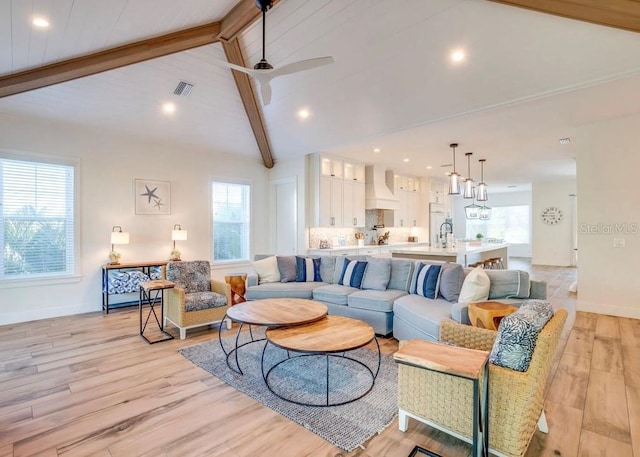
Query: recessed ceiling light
(429, 167)
(169, 108)
(40, 22)
(376, 150)
(565, 140)
(405, 160)
(457, 56)
(304, 113)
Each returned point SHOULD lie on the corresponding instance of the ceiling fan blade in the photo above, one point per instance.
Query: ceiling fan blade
(249, 71)
(302, 65)
(265, 91)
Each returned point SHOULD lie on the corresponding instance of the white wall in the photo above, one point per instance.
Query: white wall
(553, 244)
(608, 210)
(495, 199)
(108, 166)
(294, 169)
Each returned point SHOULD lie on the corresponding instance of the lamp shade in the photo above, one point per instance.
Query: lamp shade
(485, 213)
(178, 235)
(119, 237)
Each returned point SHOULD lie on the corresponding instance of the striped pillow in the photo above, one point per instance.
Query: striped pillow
(352, 273)
(427, 280)
(307, 270)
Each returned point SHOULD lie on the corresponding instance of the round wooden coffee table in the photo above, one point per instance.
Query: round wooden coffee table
(330, 338)
(270, 312)
(488, 314)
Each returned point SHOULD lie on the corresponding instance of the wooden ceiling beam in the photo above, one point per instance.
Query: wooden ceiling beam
(234, 55)
(109, 59)
(239, 18)
(622, 14)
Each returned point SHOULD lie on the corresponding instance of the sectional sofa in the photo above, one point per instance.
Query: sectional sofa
(387, 296)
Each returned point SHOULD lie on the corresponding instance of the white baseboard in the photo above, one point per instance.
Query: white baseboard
(611, 310)
(46, 313)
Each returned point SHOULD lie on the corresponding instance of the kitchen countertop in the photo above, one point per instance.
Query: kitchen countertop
(461, 248)
(404, 244)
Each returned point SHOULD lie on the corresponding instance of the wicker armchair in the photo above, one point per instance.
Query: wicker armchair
(197, 299)
(515, 399)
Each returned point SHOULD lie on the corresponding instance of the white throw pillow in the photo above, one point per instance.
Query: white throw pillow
(267, 270)
(475, 286)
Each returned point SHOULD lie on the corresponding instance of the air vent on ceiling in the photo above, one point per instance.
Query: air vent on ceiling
(565, 140)
(183, 89)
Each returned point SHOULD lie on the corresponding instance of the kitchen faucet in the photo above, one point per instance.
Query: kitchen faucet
(444, 243)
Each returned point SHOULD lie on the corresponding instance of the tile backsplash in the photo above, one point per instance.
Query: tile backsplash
(373, 217)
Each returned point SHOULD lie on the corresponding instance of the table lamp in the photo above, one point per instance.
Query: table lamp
(177, 234)
(117, 237)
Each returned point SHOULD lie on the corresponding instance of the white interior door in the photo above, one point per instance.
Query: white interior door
(286, 230)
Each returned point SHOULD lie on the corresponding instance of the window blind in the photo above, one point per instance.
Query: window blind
(37, 219)
(231, 221)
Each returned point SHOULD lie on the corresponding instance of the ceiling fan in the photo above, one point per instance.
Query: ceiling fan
(264, 72)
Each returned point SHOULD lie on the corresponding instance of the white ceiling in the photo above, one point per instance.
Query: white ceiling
(528, 80)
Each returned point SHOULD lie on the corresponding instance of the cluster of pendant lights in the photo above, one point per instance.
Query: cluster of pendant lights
(471, 191)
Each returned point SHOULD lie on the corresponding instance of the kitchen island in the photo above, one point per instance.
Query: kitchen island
(465, 253)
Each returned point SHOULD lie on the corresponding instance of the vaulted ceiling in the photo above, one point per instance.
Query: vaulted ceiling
(529, 78)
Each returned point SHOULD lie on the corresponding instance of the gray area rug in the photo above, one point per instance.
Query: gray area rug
(303, 379)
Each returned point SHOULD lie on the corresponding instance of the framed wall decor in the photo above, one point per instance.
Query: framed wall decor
(152, 197)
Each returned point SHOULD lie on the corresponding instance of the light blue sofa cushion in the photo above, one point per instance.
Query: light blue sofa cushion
(280, 290)
(333, 293)
(422, 313)
(451, 280)
(287, 268)
(508, 284)
(401, 270)
(375, 300)
(327, 267)
(377, 274)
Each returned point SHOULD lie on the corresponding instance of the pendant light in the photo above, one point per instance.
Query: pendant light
(472, 211)
(469, 189)
(454, 178)
(485, 213)
(482, 187)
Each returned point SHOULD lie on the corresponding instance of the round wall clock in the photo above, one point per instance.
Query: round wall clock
(551, 215)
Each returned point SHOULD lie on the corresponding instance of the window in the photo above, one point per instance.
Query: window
(231, 211)
(510, 223)
(37, 219)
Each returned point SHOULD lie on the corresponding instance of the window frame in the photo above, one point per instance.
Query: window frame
(72, 274)
(242, 182)
(486, 235)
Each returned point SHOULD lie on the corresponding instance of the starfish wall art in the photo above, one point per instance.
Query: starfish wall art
(152, 197)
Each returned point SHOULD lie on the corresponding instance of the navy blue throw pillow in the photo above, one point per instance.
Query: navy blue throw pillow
(427, 279)
(307, 270)
(352, 273)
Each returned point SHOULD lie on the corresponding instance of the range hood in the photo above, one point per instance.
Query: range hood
(377, 194)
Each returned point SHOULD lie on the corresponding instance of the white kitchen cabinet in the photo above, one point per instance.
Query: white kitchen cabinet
(407, 191)
(353, 171)
(331, 167)
(330, 202)
(353, 204)
(335, 201)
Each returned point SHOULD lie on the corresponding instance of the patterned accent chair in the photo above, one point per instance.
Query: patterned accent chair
(196, 299)
(516, 399)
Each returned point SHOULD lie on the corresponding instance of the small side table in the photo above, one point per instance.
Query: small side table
(460, 362)
(238, 288)
(152, 294)
(488, 314)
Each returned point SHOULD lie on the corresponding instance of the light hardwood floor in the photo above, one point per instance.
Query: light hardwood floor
(88, 385)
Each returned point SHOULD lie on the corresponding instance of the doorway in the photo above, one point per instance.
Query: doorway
(285, 233)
